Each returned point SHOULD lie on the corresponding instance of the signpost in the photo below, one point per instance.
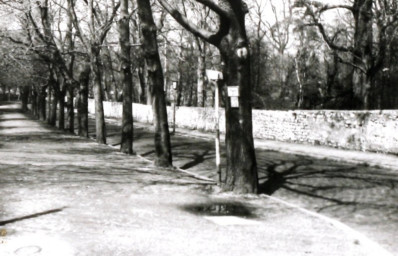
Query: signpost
(214, 76)
(174, 86)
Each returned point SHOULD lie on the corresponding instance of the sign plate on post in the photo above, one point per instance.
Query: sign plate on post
(214, 74)
(234, 102)
(233, 91)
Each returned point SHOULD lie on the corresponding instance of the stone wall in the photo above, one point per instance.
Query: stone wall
(375, 131)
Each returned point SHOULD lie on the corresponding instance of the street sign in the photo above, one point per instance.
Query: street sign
(233, 91)
(214, 75)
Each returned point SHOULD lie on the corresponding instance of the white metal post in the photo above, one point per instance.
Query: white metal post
(174, 106)
(214, 77)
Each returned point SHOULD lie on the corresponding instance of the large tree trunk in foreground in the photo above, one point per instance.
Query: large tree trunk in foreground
(155, 83)
(241, 172)
(126, 145)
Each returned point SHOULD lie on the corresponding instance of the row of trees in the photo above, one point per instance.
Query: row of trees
(282, 55)
(302, 57)
(78, 44)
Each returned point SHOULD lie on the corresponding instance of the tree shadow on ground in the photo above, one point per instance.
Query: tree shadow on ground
(198, 158)
(331, 184)
(31, 216)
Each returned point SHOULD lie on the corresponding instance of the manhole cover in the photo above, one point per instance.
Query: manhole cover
(28, 250)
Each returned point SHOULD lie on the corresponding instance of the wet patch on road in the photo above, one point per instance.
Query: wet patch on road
(223, 208)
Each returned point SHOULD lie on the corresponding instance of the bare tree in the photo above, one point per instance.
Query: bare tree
(163, 156)
(367, 51)
(126, 145)
(99, 25)
(231, 40)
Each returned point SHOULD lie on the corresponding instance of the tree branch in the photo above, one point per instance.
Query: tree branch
(183, 21)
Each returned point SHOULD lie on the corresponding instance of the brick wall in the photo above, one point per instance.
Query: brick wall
(375, 131)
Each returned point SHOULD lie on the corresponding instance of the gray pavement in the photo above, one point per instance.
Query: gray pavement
(65, 195)
(359, 189)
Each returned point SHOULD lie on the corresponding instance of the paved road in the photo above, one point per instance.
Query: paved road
(361, 196)
(64, 195)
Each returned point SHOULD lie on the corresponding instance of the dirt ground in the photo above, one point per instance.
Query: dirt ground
(65, 195)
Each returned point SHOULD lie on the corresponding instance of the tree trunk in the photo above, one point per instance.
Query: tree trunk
(24, 97)
(363, 56)
(179, 96)
(300, 96)
(82, 103)
(231, 40)
(98, 95)
(111, 81)
(126, 145)
(53, 111)
(70, 113)
(42, 103)
(61, 109)
(37, 99)
(241, 172)
(143, 91)
(34, 102)
(49, 101)
(201, 72)
(155, 83)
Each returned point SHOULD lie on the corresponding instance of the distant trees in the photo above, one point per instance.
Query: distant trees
(374, 24)
(18, 71)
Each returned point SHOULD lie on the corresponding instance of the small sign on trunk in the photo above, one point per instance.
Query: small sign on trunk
(233, 91)
(234, 102)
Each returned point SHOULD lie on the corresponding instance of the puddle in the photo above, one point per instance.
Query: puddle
(221, 209)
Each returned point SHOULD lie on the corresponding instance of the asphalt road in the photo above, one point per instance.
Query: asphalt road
(65, 195)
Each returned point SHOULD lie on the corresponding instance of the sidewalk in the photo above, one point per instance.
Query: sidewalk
(64, 195)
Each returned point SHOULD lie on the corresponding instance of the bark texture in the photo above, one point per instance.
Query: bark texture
(82, 102)
(126, 145)
(363, 57)
(100, 130)
(231, 40)
(155, 84)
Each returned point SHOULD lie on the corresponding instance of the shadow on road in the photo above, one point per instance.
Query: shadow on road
(333, 185)
(31, 216)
